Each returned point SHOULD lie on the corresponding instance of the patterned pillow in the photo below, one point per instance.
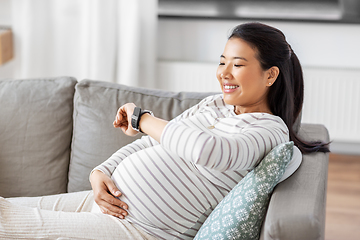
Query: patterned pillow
(240, 214)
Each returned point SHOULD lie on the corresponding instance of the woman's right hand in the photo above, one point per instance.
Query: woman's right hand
(123, 119)
(105, 193)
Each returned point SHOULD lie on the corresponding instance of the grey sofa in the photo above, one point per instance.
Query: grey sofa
(54, 131)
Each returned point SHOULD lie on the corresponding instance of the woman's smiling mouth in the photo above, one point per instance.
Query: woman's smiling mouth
(230, 88)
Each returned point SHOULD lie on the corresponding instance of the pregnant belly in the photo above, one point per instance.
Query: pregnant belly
(161, 190)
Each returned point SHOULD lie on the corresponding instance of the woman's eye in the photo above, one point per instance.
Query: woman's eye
(238, 65)
(221, 63)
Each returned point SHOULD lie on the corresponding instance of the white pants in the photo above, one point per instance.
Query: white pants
(63, 216)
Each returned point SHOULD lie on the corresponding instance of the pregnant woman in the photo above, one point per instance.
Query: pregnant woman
(164, 185)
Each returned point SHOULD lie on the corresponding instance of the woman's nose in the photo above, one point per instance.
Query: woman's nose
(225, 74)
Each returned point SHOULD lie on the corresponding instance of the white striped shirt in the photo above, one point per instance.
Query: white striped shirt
(172, 187)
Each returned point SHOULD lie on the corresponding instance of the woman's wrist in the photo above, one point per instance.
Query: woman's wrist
(96, 171)
(152, 126)
(145, 118)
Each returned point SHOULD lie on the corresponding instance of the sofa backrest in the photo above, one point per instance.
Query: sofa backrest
(95, 106)
(35, 135)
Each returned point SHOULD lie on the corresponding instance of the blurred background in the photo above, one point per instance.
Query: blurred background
(175, 45)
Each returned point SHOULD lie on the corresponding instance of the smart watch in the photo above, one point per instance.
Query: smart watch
(136, 116)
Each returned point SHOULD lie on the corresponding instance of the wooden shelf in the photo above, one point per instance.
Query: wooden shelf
(6, 45)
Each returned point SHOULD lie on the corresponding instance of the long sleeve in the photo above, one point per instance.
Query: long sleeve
(254, 136)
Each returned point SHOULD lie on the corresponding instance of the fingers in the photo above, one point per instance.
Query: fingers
(123, 119)
(107, 211)
(113, 206)
(112, 199)
(112, 188)
(105, 193)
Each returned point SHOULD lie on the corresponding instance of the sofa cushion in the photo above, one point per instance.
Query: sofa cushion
(240, 214)
(35, 135)
(95, 106)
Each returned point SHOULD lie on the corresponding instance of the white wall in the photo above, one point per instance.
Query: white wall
(316, 44)
(5, 12)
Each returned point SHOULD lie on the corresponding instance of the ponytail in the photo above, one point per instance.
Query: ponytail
(298, 93)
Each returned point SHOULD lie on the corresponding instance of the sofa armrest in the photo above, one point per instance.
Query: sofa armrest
(297, 205)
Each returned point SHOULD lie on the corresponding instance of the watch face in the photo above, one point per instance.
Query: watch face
(135, 118)
(133, 121)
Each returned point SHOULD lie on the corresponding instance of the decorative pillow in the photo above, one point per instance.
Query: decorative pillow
(35, 135)
(240, 214)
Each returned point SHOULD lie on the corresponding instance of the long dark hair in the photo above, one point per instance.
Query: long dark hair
(285, 96)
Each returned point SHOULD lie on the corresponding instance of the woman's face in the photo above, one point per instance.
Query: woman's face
(243, 82)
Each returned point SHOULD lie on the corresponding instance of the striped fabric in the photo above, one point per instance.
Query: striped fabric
(172, 187)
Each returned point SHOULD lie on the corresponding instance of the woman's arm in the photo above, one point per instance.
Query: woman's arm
(240, 151)
(148, 124)
(152, 126)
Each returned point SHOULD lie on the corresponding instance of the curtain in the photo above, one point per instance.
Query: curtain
(107, 40)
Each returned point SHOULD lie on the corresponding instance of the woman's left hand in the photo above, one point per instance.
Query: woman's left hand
(123, 119)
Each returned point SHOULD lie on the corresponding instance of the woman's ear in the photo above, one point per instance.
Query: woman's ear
(273, 73)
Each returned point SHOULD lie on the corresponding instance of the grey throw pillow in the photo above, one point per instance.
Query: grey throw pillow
(35, 135)
(241, 213)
